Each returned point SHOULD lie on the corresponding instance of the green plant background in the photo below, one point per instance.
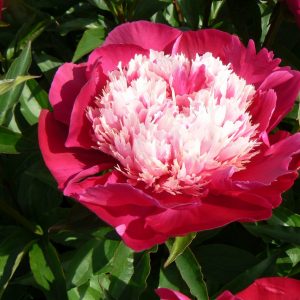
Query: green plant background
(53, 248)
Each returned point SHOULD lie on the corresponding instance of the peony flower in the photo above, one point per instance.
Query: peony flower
(272, 288)
(162, 132)
(294, 7)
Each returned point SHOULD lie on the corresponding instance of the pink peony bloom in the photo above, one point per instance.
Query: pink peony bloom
(294, 7)
(162, 132)
(272, 288)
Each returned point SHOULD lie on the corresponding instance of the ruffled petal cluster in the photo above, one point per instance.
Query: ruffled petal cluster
(171, 132)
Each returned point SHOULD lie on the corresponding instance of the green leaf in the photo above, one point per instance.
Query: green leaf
(145, 9)
(171, 278)
(277, 232)
(31, 189)
(8, 84)
(78, 24)
(221, 263)
(179, 246)
(192, 12)
(94, 289)
(100, 4)
(13, 142)
(246, 19)
(285, 217)
(246, 278)
(90, 40)
(294, 255)
(191, 273)
(14, 214)
(12, 251)
(28, 32)
(137, 283)
(19, 67)
(80, 267)
(33, 92)
(122, 270)
(266, 12)
(48, 64)
(89, 259)
(47, 271)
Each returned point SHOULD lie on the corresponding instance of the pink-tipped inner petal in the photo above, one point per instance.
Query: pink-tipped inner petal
(173, 122)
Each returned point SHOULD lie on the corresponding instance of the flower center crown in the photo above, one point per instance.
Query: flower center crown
(174, 123)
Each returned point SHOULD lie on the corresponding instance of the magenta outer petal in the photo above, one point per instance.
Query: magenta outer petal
(142, 222)
(214, 212)
(110, 56)
(287, 93)
(62, 162)
(253, 67)
(269, 165)
(80, 126)
(207, 40)
(65, 87)
(144, 34)
(125, 208)
(168, 294)
(262, 109)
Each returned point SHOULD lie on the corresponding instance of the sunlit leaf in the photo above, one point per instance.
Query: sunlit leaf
(19, 67)
(90, 40)
(8, 84)
(190, 271)
(12, 250)
(47, 270)
(178, 247)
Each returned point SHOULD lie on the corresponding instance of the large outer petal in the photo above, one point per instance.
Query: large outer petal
(144, 34)
(110, 56)
(198, 42)
(273, 288)
(287, 91)
(278, 160)
(62, 162)
(142, 222)
(80, 128)
(65, 87)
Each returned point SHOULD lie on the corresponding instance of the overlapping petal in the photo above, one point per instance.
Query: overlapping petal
(64, 163)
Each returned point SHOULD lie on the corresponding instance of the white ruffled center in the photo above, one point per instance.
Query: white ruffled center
(174, 123)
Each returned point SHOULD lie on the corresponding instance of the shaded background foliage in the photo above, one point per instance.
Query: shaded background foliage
(53, 248)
